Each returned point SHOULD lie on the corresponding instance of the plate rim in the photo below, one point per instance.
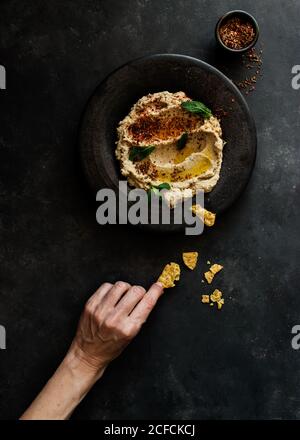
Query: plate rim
(191, 60)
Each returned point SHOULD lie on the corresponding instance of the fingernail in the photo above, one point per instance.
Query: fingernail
(159, 284)
(139, 289)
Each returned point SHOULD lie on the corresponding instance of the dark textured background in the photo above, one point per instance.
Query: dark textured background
(189, 361)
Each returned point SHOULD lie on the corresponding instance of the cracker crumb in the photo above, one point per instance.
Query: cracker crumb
(216, 295)
(214, 298)
(209, 276)
(220, 303)
(190, 259)
(208, 217)
(214, 269)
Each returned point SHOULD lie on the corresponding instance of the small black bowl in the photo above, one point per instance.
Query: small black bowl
(245, 16)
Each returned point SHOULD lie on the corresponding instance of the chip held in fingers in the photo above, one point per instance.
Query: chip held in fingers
(190, 259)
(169, 275)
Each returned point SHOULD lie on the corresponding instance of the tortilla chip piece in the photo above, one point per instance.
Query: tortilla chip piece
(205, 299)
(220, 304)
(215, 268)
(209, 275)
(208, 217)
(190, 259)
(216, 296)
(170, 274)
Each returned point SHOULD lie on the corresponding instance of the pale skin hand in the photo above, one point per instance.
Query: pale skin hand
(112, 317)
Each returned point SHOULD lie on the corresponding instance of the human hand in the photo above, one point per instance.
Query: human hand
(111, 319)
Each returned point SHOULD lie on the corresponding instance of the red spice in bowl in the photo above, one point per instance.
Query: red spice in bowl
(237, 33)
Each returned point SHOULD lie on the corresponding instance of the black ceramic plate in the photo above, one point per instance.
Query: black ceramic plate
(114, 97)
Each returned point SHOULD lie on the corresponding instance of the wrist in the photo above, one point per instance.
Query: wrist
(84, 364)
(65, 389)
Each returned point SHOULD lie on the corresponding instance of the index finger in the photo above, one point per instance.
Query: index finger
(143, 309)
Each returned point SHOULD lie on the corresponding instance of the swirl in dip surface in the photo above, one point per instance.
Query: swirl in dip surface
(158, 120)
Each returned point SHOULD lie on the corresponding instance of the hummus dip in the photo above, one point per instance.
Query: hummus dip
(158, 120)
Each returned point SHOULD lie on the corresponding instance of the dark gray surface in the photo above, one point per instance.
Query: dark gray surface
(189, 361)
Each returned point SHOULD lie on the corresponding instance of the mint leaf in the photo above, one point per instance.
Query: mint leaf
(162, 186)
(197, 107)
(140, 153)
(156, 188)
(181, 143)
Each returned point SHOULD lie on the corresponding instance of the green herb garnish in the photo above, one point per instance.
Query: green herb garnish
(162, 186)
(140, 153)
(197, 107)
(156, 188)
(181, 143)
